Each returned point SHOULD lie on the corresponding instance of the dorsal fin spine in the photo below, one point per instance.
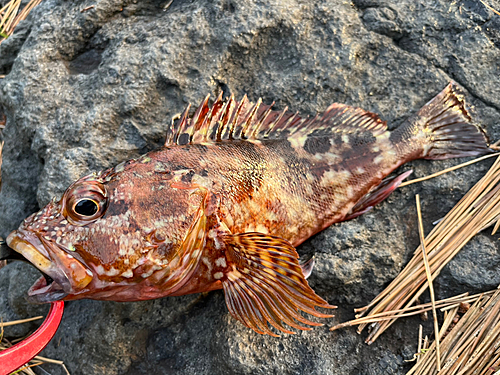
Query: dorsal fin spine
(297, 126)
(182, 123)
(208, 117)
(250, 117)
(236, 116)
(203, 124)
(289, 121)
(200, 123)
(263, 118)
(223, 118)
(219, 120)
(227, 118)
(276, 121)
(230, 117)
(196, 118)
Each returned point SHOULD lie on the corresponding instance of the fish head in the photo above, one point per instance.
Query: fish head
(49, 240)
(106, 234)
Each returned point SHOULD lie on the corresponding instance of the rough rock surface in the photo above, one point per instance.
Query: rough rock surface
(86, 90)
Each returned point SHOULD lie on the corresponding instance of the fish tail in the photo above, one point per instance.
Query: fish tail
(442, 129)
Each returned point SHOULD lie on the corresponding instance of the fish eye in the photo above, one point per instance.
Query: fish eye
(86, 207)
(84, 202)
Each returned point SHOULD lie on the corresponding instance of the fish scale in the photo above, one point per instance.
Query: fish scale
(224, 203)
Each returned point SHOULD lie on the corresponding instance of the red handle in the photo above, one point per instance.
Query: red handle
(18, 355)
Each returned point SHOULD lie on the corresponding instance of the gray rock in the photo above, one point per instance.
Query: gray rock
(87, 90)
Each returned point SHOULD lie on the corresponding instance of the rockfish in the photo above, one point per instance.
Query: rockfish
(236, 187)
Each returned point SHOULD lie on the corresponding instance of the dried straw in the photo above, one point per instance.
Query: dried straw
(489, 7)
(455, 167)
(10, 16)
(477, 210)
(38, 360)
(443, 305)
(429, 278)
(472, 346)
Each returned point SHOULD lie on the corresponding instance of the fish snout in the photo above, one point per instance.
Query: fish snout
(62, 273)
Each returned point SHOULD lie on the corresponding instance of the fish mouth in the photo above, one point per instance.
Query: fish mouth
(54, 284)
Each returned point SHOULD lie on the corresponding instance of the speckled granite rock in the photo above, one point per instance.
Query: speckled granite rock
(86, 90)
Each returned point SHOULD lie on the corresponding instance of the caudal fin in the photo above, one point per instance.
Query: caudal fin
(444, 129)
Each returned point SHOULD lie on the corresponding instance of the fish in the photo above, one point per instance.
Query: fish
(224, 203)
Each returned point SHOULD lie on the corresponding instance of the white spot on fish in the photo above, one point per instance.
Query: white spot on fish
(128, 274)
(350, 191)
(120, 167)
(207, 263)
(218, 275)
(112, 272)
(221, 262)
(378, 159)
(271, 216)
(262, 229)
(147, 274)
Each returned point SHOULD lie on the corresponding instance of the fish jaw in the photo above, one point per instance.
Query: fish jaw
(66, 275)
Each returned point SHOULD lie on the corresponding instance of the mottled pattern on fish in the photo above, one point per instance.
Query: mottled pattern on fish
(222, 205)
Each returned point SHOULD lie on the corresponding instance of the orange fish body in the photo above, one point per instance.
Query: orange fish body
(236, 187)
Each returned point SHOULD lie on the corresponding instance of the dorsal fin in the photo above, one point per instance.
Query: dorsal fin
(232, 120)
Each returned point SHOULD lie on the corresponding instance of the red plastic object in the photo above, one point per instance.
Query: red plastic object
(20, 354)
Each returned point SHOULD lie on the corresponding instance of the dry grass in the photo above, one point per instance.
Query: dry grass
(11, 15)
(490, 8)
(477, 210)
(468, 345)
(443, 305)
(429, 279)
(471, 346)
(447, 170)
(38, 360)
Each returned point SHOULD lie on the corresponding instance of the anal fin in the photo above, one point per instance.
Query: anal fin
(265, 284)
(377, 195)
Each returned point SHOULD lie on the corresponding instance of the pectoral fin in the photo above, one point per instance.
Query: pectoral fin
(184, 262)
(265, 284)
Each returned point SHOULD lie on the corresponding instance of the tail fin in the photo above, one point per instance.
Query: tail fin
(445, 128)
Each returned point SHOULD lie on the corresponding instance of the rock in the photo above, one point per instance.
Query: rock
(12, 296)
(87, 90)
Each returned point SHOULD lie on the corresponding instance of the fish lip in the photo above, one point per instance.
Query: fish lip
(29, 245)
(40, 292)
